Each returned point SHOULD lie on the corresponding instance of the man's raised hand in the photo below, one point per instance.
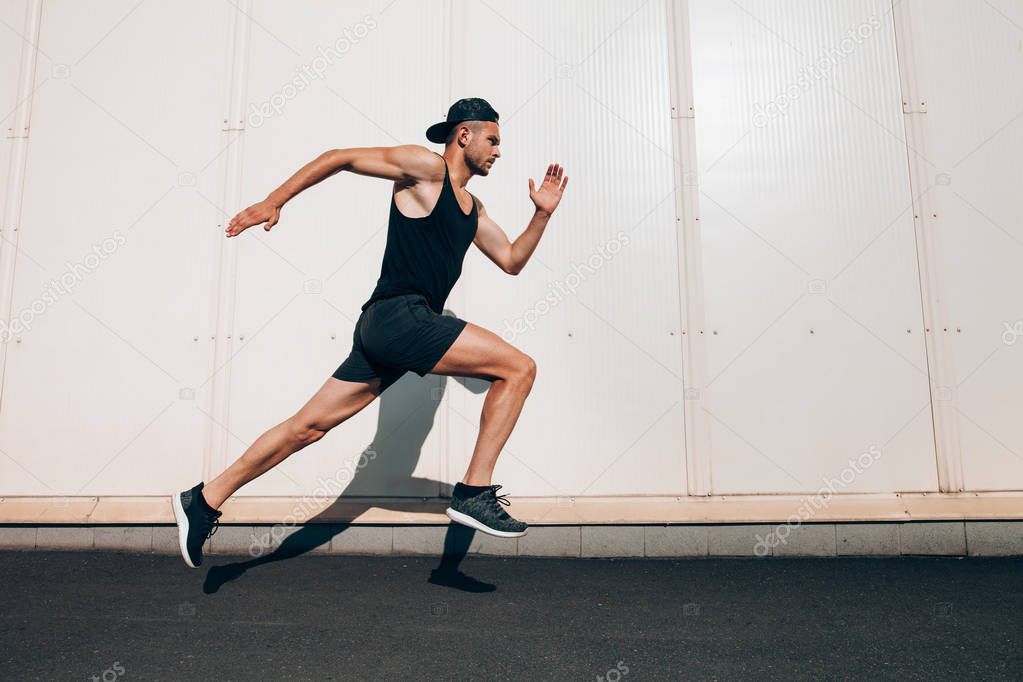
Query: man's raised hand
(263, 212)
(548, 195)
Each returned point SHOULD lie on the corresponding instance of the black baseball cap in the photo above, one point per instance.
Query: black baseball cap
(468, 109)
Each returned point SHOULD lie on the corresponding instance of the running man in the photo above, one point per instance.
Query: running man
(433, 220)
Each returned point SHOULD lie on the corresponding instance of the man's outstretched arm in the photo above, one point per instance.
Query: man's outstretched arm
(407, 164)
(494, 243)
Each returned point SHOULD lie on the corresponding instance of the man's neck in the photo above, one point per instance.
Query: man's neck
(458, 172)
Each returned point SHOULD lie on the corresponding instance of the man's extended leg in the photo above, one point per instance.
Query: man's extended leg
(481, 353)
(478, 352)
(195, 510)
(335, 402)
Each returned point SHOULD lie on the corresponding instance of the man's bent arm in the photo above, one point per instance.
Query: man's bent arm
(491, 239)
(522, 248)
(493, 242)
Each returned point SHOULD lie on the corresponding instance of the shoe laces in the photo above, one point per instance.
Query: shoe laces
(212, 524)
(503, 499)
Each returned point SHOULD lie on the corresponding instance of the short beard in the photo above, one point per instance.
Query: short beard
(476, 168)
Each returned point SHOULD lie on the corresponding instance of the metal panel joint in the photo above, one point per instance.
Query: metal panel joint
(915, 107)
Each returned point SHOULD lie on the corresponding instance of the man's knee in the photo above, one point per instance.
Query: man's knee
(304, 433)
(525, 369)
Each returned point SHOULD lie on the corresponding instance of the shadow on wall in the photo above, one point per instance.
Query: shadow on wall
(410, 405)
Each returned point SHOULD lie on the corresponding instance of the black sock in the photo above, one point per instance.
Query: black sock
(463, 490)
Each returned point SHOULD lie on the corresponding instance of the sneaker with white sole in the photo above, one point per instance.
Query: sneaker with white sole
(196, 520)
(483, 512)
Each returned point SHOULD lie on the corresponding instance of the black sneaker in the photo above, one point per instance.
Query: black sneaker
(482, 512)
(196, 522)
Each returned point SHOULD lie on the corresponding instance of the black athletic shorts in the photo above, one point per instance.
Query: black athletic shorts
(395, 335)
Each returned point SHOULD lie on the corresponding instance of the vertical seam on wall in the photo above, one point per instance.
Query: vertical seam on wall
(454, 441)
(696, 451)
(15, 190)
(233, 125)
(944, 419)
(444, 409)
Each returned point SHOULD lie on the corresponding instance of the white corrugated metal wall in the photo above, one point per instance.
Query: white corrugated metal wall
(815, 338)
(849, 260)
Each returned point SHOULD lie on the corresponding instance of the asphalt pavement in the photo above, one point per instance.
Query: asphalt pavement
(113, 616)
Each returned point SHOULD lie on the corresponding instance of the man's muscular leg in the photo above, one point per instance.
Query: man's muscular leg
(480, 353)
(335, 402)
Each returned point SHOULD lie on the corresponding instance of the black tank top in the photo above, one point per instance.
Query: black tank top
(424, 255)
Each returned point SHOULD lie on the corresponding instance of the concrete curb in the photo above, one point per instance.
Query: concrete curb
(919, 538)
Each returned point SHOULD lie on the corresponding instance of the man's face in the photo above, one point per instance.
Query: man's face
(484, 148)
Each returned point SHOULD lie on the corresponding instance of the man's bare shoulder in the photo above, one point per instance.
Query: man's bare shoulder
(479, 204)
(406, 164)
(421, 165)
